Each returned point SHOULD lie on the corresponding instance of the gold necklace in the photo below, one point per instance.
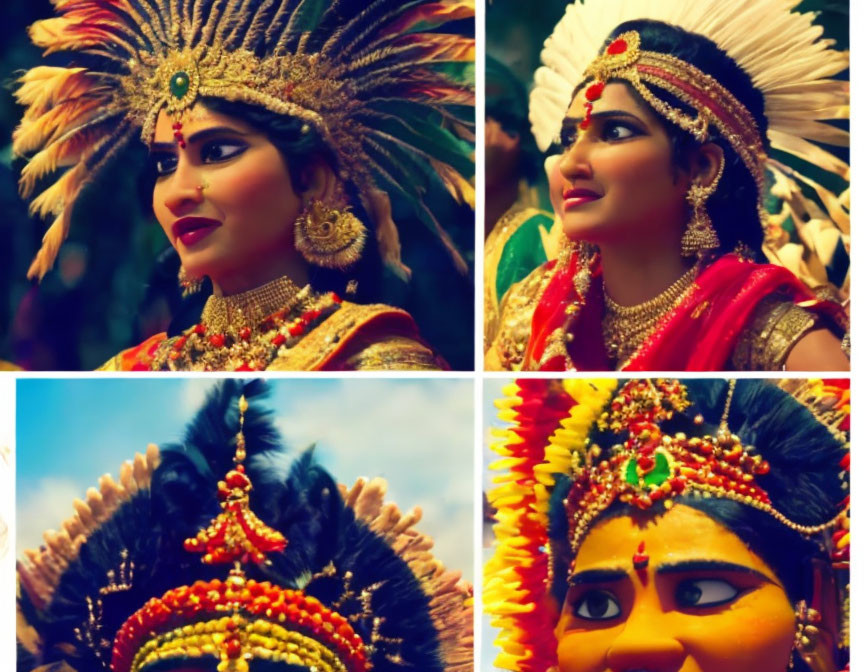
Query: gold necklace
(246, 332)
(626, 327)
(224, 313)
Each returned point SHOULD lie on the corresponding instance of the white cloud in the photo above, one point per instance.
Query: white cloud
(193, 394)
(45, 507)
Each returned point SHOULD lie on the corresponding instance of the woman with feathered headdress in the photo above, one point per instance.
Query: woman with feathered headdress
(277, 134)
(674, 120)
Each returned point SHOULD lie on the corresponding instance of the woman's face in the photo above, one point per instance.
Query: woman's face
(703, 603)
(618, 181)
(225, 200)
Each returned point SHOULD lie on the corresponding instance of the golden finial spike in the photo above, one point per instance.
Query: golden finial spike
(724, 420)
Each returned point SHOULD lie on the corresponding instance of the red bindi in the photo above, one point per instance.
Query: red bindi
(640, 557)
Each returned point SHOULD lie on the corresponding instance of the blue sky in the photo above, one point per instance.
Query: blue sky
(418, 434)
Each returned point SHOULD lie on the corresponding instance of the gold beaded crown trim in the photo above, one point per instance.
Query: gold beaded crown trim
(384, 86)
(651, 467)
(714, 104)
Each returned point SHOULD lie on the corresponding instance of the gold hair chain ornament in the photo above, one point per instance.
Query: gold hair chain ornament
(714, 104)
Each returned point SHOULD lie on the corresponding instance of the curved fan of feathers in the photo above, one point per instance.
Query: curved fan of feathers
(410, 87)
(787, 59)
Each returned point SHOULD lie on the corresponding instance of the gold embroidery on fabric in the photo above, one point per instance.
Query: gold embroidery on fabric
(395, 353)
(775, 327)
(517, 309)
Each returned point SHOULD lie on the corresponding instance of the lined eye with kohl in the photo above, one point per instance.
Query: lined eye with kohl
(163, 163)
(222, 150)
(618, 130)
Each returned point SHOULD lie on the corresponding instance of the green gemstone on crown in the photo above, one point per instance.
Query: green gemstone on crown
(179, 85)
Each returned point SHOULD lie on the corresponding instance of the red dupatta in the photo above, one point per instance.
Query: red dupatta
(699, 334)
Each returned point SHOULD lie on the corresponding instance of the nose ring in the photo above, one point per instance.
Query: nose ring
(201, 187)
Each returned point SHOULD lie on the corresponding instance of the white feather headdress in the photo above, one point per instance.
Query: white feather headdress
(787, 59)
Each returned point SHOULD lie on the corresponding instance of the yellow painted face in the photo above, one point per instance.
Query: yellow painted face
(703, 602)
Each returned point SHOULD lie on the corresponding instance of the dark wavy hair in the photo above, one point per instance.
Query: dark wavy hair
(806, 482)
(733, 207)
(298, 143)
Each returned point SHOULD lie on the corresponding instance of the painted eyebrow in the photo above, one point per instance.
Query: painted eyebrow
(590, 576)
(575, 121)
(710, 566)
(200, 135)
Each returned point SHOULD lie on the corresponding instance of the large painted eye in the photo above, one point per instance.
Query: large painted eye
(704, 593)
(598, 605)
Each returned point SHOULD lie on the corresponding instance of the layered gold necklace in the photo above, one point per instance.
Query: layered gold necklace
(626, 327)
(247, 331)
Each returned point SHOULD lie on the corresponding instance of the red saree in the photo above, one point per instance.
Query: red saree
(699, 334)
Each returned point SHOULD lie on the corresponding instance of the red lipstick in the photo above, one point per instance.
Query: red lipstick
(190, 230)
(574, 197)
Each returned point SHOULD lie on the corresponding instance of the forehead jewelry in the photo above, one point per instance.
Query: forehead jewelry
(178, 134)
(640, 557)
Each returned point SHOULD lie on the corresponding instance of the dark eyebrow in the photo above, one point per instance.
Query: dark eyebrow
(200, 135)
(597, 576)
(710, 566)
(575, 121)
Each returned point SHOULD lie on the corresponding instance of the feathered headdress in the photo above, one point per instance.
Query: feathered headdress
(781, 451)
(788, 61)
(297, 572)
(385, 87)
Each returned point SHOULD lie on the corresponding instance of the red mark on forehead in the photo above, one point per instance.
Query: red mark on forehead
(178, 134)
(640, 558)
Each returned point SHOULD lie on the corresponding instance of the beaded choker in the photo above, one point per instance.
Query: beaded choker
(246, 332)
(626, 327)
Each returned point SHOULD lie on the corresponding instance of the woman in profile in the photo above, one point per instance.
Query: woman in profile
(672, 525)
(669, 136)
(277, 133)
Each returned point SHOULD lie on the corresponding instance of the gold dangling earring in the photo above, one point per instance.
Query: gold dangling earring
(806, 633)
(189, 284)
(330, 237)
(700, 235)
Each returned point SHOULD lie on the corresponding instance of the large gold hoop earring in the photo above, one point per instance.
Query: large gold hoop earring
(700, 235)
(329, 237)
